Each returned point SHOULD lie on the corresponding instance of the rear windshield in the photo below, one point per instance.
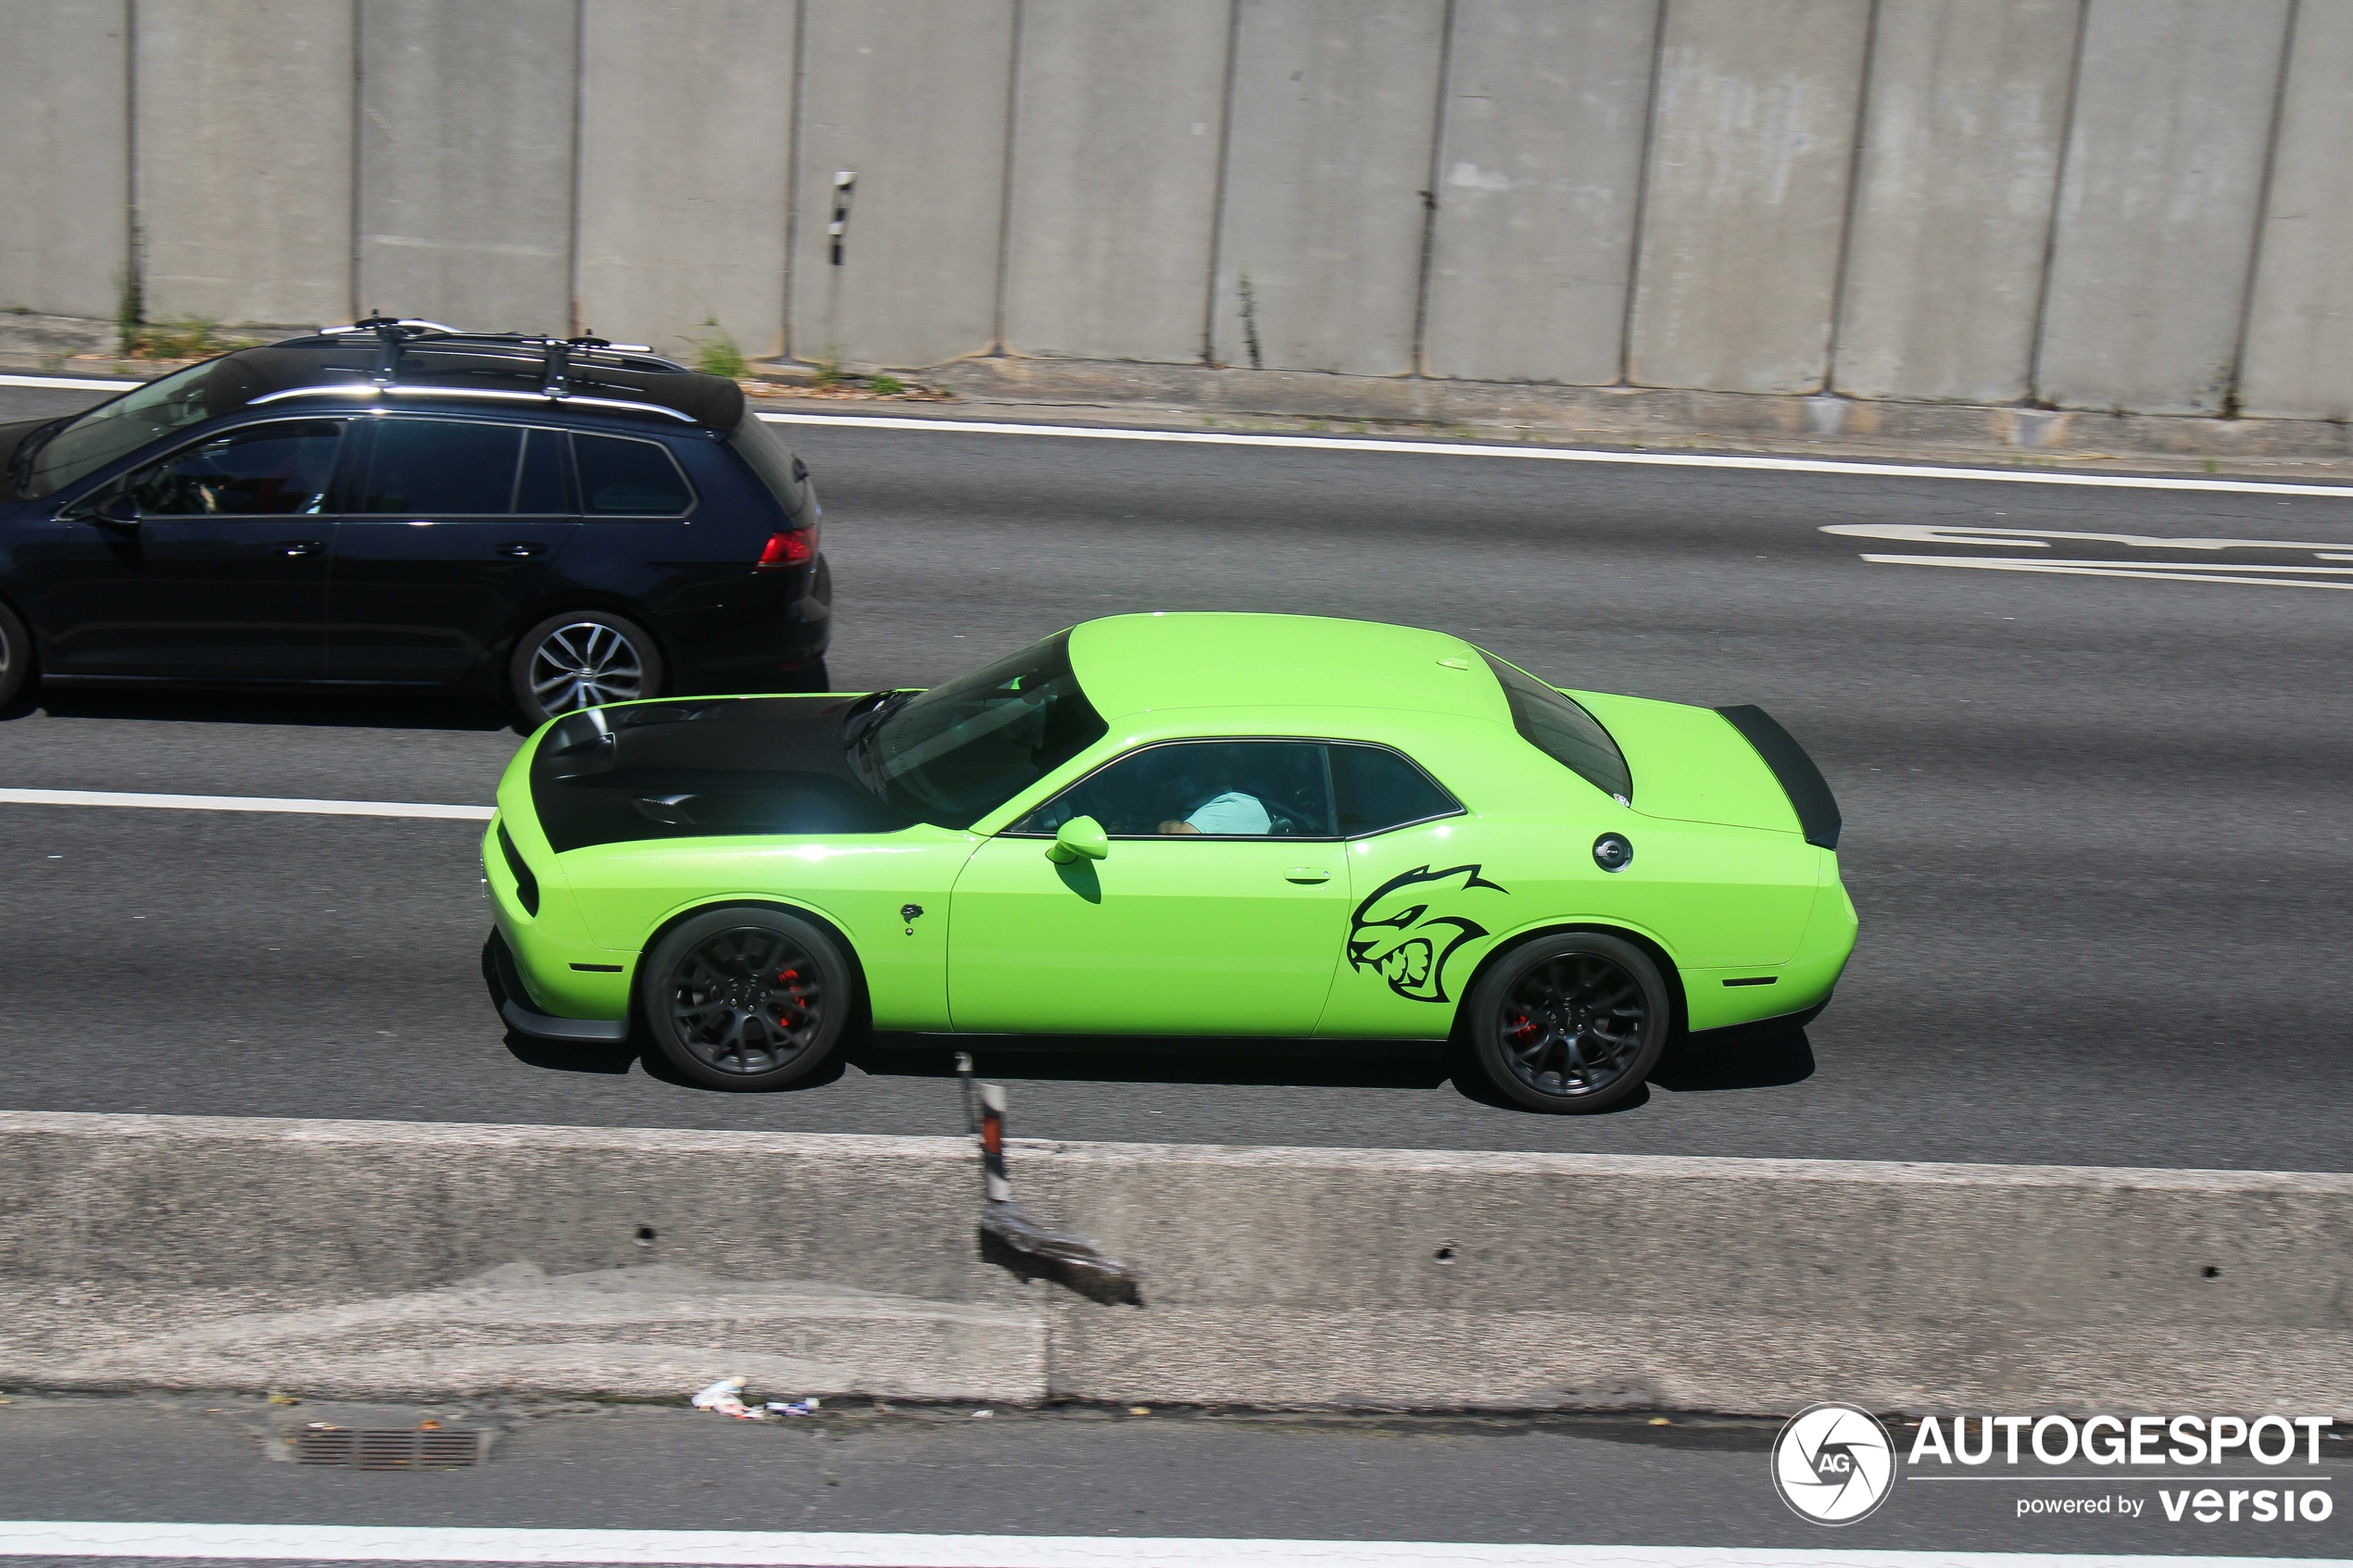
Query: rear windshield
(961, 750)
(1563, 731)
(769, 458)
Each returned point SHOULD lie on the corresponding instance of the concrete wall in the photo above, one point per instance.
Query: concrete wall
(1959, 162)
(2158, 207)
(2132, 206)
(142, 1250)
(686, 117)
(1334, 109)
(2299, 337)
(64, 186)
(489, 240)
(244, 118)
(911, 96)
(1540, 175)
(1117, 138)
(1752, 143)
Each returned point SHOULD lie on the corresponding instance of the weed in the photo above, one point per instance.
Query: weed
(2210, 465)
(130, 310)
(885, 386)
(190, 337)
(826, 370)
(20, 310)
(717, 354)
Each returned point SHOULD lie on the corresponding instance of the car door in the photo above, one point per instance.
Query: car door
(456, 529)
(209, 564)
(1219, 908)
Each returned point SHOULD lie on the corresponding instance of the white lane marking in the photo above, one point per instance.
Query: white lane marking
(1465, 449)
(244, 803)
(1569, 454)
(782, 1548)
(2039, 538)
(70, 384)
(2155, 573)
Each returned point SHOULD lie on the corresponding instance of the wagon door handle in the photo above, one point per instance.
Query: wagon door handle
(300, 547)
(1307, 874)
(520, 547)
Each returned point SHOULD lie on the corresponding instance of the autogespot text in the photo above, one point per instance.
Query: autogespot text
(2148, 1450)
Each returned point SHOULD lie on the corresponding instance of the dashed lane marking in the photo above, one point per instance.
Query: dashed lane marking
(1569, 454)
(244, 803)
(761, 1548)
(2202, 573)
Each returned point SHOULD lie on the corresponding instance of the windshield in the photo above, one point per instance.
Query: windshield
(959, 751)
(116, 429)
(1563, 731)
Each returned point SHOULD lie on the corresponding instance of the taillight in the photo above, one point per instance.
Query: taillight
(783, 551)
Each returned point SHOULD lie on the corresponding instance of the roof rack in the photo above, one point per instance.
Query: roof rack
(395, 333)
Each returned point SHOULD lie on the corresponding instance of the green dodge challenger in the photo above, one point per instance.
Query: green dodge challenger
(1172, 824)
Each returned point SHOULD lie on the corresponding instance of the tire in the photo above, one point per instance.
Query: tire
(747, 998)
(1570, 1023)
(16, 656)
(581, 659)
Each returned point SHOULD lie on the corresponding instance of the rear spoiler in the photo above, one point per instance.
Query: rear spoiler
(1809, 793)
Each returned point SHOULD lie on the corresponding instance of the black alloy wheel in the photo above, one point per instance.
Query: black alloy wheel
(747, 998)
(581, 660)
(1573, 1022)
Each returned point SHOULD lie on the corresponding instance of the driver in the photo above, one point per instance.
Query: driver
(1231, 811)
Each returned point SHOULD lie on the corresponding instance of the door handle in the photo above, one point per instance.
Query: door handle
(1307, 874)
(519, 547)
(300, 547)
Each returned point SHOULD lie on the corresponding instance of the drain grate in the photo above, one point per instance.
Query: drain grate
(354, 1448)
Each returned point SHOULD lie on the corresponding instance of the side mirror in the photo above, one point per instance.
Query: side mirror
(120, 511)
(1081, 838)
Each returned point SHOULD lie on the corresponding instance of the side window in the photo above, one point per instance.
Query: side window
(262, 470)
(442, 468)
(541, 487)
(1375, 789)
(1215, 788)
(624, 478)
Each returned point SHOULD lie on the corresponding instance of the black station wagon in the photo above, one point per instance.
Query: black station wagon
(572, 520)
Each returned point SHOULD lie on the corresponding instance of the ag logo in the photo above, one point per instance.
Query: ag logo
(1833, 1463)
(1394, 932)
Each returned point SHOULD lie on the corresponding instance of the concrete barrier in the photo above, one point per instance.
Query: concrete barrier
(2159, 204)
(1961, 155)
(2112, 207)
(2299, 331)
(65, 181)
(488, 241)
(383, 1257)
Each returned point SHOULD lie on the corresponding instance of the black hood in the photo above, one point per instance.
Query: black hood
(700, 769)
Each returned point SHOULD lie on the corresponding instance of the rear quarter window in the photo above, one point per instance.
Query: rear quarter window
(1562, 731)
(623, 477)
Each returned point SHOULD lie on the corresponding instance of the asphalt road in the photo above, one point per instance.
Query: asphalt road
(2095, 825)
(1072, 1471)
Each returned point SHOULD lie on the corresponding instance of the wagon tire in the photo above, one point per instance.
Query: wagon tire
(747, 998)
(16, 656)
(1570, 1023)
(578, 660)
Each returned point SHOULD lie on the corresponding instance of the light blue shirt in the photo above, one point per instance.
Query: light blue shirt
(1232, 812)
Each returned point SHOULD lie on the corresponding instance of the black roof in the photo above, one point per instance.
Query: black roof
(484, 370)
